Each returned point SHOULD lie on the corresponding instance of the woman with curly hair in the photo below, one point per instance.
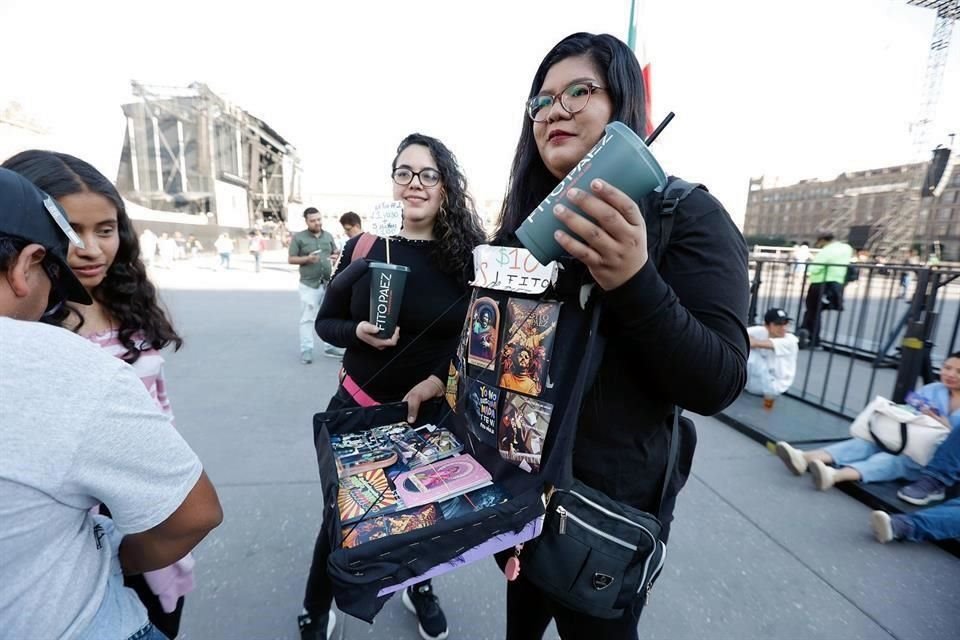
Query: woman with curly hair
(440, 230)
(125, 318)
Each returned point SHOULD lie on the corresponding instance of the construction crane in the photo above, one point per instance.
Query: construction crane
(902, 222)
(948, 11)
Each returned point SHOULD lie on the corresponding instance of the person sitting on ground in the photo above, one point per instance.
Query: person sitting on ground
(941, 472)
(936, 523)
(857, 459)
(941, 522)
(772, 363)
(79, 430)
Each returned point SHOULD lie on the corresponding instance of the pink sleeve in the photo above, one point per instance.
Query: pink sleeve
(161, 395)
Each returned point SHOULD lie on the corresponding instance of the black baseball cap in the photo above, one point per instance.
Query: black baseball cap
(776, 315)
(28, 213)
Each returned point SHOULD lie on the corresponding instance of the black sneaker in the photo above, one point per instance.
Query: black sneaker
(419, 599)
(923, 491)
(316, 627)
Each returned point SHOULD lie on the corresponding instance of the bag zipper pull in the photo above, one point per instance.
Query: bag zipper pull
(563, 519)
(512, 568)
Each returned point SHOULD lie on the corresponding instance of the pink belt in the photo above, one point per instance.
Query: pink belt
(359, 395)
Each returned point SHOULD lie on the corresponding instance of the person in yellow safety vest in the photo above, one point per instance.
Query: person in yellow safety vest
(827, 275)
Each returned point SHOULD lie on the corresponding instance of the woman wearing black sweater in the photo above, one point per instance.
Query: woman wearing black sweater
(440, 230)
(673, 328)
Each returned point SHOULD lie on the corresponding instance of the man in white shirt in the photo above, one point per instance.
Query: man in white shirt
(78, 430)
(772, 364)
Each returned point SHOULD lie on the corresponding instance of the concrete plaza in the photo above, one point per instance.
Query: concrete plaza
(755, 552)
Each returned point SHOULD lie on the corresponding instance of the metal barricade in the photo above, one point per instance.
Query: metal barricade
(893, 317)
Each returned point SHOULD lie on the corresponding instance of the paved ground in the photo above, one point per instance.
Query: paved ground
(755, 553)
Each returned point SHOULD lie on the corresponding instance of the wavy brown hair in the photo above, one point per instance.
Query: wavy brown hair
(459, 230)
(126, 291)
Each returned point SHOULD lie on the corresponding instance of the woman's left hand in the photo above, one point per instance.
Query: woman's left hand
(425, 390)
(616, 235)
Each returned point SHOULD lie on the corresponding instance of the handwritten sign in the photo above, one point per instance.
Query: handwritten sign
(512, 269)
(385, 220)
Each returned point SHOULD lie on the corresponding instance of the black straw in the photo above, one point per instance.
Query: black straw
(660, 127)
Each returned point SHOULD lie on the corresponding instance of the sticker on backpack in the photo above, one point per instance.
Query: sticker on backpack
(522, 430)
(483, 404)
(484, 332)
(529, 332)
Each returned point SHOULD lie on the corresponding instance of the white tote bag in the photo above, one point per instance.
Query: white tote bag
(899, 430)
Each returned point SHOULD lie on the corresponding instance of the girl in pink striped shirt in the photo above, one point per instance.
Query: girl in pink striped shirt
(125, 318)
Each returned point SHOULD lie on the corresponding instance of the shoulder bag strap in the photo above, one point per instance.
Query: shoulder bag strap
(363, 246)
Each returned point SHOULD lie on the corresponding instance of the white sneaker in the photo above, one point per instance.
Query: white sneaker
(792, 458)
(882, 527)
(824, 477)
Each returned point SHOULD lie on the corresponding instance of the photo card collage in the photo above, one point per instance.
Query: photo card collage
(505, 362)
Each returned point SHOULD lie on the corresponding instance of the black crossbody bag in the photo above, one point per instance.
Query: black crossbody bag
(597, 555)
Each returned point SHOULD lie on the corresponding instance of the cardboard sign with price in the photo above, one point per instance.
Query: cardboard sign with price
(385, 220)
(511, 269)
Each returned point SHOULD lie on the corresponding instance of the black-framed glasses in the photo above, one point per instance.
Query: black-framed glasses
(573, 99)
(405, 175)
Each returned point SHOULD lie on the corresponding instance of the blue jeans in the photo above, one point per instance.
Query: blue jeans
(945, 463)
(941, 522)
(873, 463)
(148, 632)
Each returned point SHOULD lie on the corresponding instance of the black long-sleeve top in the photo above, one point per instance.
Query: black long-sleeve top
(431, 317)
(674, 335)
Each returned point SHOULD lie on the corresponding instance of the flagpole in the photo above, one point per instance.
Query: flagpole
(639, 49)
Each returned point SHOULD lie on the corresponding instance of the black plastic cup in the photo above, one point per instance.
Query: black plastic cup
(386, 295)
(621, 159)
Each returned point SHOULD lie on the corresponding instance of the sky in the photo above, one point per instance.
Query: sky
(760, 87)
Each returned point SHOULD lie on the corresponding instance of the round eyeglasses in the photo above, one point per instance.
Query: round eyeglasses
(573, 99)
(405, 175)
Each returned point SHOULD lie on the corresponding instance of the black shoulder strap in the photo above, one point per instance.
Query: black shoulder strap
(673, 194)
(671, 459)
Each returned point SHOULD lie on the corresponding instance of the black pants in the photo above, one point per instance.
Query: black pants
(529, 612)
(821, 296)
(318, 596)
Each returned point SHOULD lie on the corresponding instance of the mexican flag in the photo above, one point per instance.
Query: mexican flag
(637, 42)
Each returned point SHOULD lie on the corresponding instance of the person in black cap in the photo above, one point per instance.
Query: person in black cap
(35, 235)
(772, 364)
(79, 429)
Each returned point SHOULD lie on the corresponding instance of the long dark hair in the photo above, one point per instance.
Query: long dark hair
(457, 228)
(530, 181)
(126, 291)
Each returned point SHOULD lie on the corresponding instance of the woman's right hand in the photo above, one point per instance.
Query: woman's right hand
(367, 332)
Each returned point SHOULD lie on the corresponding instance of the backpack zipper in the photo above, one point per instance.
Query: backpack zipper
(564, 514)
